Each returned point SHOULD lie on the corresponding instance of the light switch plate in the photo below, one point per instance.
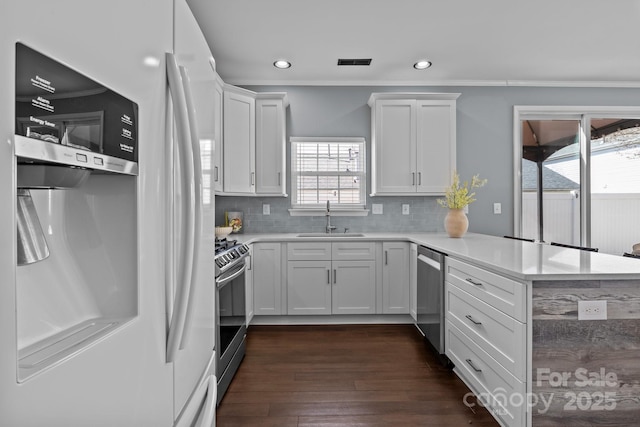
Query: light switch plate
(497, 208)
(266, 209)
(405, 209)
(376, 209)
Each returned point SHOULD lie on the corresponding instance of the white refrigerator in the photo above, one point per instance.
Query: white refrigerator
(102, 331)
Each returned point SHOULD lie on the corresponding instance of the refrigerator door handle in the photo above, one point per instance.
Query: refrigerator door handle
(181, 301)
(208, 418)
(196, 164)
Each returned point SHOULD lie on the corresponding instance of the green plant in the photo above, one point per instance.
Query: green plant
(457, 196)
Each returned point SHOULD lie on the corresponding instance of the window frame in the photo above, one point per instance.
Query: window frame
(337, 209)
(546, 112)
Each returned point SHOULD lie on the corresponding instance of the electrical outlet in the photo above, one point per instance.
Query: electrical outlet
(266, 209)
(376, 208)
(497, 208)
(405, 209)
(592, 310)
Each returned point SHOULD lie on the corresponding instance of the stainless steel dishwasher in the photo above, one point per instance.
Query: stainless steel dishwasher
(430, 300)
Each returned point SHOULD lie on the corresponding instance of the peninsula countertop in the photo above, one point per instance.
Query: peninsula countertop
(518, 259)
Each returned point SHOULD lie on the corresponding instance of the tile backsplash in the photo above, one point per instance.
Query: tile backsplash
(424, 216)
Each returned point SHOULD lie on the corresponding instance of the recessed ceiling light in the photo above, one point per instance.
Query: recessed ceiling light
(422, 64)
(282, 64)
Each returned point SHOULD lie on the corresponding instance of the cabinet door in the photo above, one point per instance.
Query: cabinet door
(217, 137)
(436, 147)
(239, 143)
(267, 278)
(395, 278)
(270, 147)
(309, 287)
(248, 280)
(354, 287)
(395, 147)
(413, 281)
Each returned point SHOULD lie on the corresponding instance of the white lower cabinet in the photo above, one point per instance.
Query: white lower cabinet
(309, 287)
(498, 390)
(353, 290)
(413, 281)
(267, 278)
(486, 337)
(248, 280)
(331, 278)
(395, 278)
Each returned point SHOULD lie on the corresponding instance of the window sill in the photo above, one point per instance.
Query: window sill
(323, 212)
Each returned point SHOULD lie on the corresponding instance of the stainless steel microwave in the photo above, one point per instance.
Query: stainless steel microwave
(65, 117)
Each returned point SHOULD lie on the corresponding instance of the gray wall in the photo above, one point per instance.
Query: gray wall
(484, 146)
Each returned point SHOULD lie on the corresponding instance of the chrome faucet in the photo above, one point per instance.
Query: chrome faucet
(330, 227)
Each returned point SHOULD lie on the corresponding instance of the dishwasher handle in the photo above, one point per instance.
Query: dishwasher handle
(430, 262)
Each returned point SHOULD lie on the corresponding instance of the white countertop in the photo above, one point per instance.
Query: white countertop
(518, 259)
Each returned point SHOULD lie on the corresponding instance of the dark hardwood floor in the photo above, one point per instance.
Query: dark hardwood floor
(345, 375)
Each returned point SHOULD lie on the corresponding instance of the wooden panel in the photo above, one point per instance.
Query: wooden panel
(566, 351)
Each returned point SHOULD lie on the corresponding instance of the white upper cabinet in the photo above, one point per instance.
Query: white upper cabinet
(270, 144)
(239, 141)
(254, 143)
(413, 143)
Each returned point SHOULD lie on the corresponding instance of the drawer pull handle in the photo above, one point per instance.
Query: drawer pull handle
(468, 316)
(472, 365)
(473, 282)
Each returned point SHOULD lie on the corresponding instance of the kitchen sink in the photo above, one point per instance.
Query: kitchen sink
(330, 235)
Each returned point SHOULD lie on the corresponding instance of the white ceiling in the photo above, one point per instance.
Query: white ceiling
(470, 42)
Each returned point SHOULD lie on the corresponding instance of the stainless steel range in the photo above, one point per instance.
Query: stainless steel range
(231, 325)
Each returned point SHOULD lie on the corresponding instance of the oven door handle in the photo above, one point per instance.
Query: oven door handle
(223, 280)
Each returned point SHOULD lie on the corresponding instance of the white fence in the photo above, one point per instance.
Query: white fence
(615, 219)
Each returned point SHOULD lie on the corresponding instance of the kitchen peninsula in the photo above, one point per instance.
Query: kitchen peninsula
(512, 325)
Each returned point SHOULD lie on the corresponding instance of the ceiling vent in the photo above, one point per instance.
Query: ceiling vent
(356, 61)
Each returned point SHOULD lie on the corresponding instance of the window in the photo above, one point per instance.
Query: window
(328, 169)
(577, 179)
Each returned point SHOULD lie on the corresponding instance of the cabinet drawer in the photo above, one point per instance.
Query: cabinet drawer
(498, 291)
(502, 393)
(309, 251)
(362, 251)
(501, 336)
